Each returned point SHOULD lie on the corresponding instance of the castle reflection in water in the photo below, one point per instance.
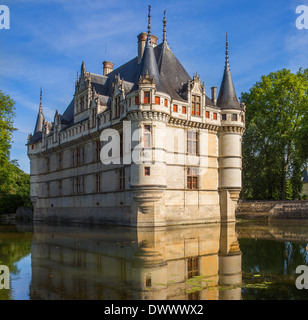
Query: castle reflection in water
(195, 262)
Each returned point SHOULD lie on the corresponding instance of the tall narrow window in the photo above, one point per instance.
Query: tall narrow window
(83, 155)
(175, 108)
(147, 136)
(136, 100)
(77, 156)
(224, 117)
(122, 179)
(121, 144)
(81, 103)
(192, 178)
(147, 171)
(192, 267)
(184, 110)
(157, 100)
(60, 160)
(166, 103)
(47, 189)
(207, 114)
(195, 105)
(146, 97)
(234, 117)
(47, 164)
(215, 116)
(192, 142)
(98, 182)
(60, 187)
(97, 150)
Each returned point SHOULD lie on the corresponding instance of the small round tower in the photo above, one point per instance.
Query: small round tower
(230, 144)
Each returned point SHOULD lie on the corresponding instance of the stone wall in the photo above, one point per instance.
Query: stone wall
(270, 210)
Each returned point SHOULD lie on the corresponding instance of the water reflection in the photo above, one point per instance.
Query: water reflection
(124, 263)
(14, 245)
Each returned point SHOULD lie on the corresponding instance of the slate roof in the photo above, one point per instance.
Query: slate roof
(160, 62)
(227, 97)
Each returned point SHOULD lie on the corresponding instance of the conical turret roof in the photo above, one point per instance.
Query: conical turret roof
(40, 118)
(227, 97)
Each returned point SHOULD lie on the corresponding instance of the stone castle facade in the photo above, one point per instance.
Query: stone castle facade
(188, 146)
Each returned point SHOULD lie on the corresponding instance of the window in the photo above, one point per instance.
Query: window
(192, 142)
(117, 107)
(77, 185)
(146, 97)
(81, 103)
(192, 267)
(215, 116)
(77, 156)
(207, 114)
(47, 164)
(83, 155)
(157, 100)
(242, 118)
(60, 160)
(147, 136)
(47, 189)
(122, 179)
(175, 108)
(184, 110)
(98, 182)
(121, 144)
(195, 105)
(148, 281)
(192, 178)
(234, 117)
(137, 100)
(166, 103)
(60, 187)
(147, 171)
(97, 150)
(224, 117)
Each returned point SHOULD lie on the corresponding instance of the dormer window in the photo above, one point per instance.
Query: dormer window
(137, 100)
(146, 97)
(117, 107)
(81, 103)
(195, 105)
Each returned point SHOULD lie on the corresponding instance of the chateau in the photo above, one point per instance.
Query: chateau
(188, 146)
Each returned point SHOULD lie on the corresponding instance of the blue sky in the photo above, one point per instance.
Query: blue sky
(48, 40)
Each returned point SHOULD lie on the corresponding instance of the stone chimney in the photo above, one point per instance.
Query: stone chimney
(214, 95)
(108, 67)
(142, 39)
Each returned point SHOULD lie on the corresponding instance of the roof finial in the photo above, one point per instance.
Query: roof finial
(41, 98)
(149, 19)
(164, 22)
(227, 52)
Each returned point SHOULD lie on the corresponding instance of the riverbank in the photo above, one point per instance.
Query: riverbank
(272, 210)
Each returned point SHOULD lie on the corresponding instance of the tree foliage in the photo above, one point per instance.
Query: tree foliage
(14, 183)
(275, 143)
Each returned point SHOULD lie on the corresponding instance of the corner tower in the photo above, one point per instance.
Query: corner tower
(230, 143)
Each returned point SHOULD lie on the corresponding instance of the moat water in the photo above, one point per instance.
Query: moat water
(211, 262)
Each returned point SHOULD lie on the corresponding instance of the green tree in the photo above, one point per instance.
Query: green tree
(275, 143)
(7, 113)
(14, 183)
